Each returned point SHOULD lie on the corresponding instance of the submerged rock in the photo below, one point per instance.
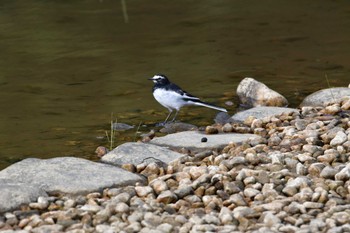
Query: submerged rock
(122, 126)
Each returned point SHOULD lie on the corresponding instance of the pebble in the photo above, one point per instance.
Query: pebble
(143, 191)
(271, 219)
(167, 197)
(196, 172)
(159, 186)
(165, 228)
(328, 172)
(344, 174)
(211, 130)
(227, 128)
(121, 207)
(339, 139)
(91, 208)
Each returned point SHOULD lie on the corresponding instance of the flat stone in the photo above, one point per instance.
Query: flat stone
(137, 153)
(260, 113)
(14, 194)
(192, 140)
(325, 96)
(68, 175)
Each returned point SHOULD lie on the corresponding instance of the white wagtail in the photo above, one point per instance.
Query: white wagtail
(173, 97)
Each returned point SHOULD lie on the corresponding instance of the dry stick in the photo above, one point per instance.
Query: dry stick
(110, 138)
(329, 86)
(137, 130)
(125, 11)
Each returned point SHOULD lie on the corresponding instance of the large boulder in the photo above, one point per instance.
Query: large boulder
(260, 112)
(252, 93)
(137, 153)
(68, 175)
(13, 195)
(325, 96)
(193, 140)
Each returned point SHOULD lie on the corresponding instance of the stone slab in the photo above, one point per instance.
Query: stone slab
(13, 195)
(192, 140)
(260, 112)
(68, 175)
(136, 153)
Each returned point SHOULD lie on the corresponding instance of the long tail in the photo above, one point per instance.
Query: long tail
(200, 103)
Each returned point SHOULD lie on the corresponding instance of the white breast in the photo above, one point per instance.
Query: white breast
(169, 99)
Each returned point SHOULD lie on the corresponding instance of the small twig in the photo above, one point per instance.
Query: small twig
(125, 11)
(137, 130)
(329, 86)
(111, 137)
(107, 136)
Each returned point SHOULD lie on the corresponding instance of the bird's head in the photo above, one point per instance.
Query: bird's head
(159, 79)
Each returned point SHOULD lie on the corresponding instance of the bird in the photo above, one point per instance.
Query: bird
(172, 97)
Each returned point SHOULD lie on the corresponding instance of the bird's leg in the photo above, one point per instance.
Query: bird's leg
(175, 116)
(166, 119)
(170, 112)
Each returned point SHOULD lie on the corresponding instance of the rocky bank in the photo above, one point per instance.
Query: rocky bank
(289, 172)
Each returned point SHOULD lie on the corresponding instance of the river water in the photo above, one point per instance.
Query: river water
(67, 66)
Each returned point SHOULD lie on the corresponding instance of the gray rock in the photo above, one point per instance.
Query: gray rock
(211, 219)
(301, 124)
(137, 153)
(238, 200)
(325, 96)
(48, 228)
(192, 140)
(253, 93)
(68, 175)
(344, 174)
(167, 197)
(339, 139)
(260, 113)
(13, 194)
(313, 205)
(242, 211)
(152, 219)
(104, 228)
(133, 227)
(121, 207)
(184, 191)
(143, 191)
(328, 172)
(225, 215)
(122, 126)
(165, 228)
(271, 219)
(250, 192)
(299, 182)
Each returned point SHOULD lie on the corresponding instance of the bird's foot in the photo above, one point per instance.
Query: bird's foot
(161, 124)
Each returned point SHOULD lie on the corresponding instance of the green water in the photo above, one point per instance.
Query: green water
(67, 65)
